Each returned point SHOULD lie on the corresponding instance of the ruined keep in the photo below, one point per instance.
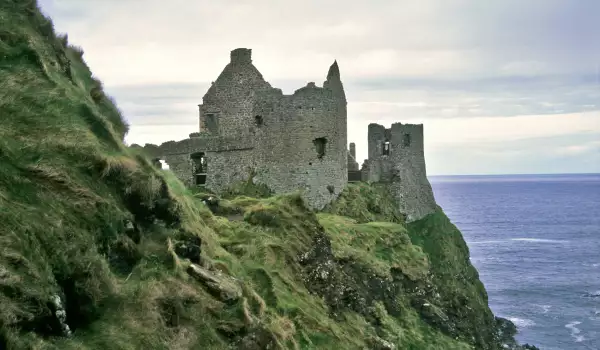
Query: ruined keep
(250, 130)
(397, 158)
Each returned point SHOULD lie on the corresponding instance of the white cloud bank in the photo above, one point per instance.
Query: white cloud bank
(502, 87)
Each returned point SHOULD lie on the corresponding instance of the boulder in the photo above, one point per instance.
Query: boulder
(219, 285)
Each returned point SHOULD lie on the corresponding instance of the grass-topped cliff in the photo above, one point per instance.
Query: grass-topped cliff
(101, 250)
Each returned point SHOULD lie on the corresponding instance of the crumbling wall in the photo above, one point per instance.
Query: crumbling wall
(302, 144)
(230, 167)
(227, 106)
(182, 166)
(289, 142)
(403, 167)
(352, 163)
(178, 154)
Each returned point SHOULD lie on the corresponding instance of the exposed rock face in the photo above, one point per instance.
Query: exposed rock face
(189, 249)
(346, 284)
(506, 331)
(61, 315)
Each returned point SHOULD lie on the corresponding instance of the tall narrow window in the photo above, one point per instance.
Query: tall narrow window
(199, 168)
(212, 124)
(320, 144)
(407, 140)
(386, 148)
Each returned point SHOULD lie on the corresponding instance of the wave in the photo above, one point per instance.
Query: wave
(539, 240)
(575, 331)
(545, 308)
(521, 322)
(524, 239)
(595, 294)
(591, 265)
(485, 242)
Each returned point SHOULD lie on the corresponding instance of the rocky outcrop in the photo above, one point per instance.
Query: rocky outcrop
(219, 285)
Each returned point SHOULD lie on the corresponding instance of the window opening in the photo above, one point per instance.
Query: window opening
(386, 148)
(200, 168)
(320, 144)
(211, 123)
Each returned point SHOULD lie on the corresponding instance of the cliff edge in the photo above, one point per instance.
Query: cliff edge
(99, 249)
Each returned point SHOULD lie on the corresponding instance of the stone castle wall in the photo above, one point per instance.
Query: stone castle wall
(295, 142)
(248, 127)
(403, 168)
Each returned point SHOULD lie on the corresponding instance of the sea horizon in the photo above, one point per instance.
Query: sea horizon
(512, 174)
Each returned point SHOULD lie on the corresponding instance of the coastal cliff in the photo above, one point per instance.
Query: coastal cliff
(100, 249)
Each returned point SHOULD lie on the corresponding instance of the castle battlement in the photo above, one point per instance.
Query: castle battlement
(241, 56)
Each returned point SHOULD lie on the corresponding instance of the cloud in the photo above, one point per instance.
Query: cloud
(182, 40)
(588, 147)
(531, 155)
(482, 76)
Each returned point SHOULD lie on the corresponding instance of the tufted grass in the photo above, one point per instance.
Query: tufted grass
(69, 187)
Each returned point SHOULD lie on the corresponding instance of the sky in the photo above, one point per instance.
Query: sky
(501, 86)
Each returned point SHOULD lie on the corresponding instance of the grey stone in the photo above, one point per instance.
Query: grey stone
(251, 130)
(221, 286)
(401, 166)
(61, 315)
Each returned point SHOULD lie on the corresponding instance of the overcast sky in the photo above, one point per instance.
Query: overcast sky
(502, 86)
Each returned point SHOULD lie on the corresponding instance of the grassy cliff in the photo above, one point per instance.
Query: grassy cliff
(101, 250)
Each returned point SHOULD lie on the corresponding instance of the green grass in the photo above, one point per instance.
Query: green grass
(366, 203)
(380, 245)
(464, 295)
(70, 191)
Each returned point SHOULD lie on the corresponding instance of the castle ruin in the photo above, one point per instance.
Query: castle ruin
(249, 129)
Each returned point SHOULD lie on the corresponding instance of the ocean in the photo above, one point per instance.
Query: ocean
(535, 240)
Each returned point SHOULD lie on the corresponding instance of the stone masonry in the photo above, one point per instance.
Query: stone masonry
(397, 158)
(250, 130)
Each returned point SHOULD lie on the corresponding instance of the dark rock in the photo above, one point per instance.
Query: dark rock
(123, 254)
(61, 315)
(132, 231)
(505, 333)
(190, 248)
(212, 202)
(346, 284)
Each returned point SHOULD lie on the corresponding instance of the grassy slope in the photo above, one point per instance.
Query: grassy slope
(69, 189)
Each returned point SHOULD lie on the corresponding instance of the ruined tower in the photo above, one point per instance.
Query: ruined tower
(250, 129)
(397, 158)
(352, 163)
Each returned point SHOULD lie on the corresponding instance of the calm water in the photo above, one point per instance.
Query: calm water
(535, 240)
